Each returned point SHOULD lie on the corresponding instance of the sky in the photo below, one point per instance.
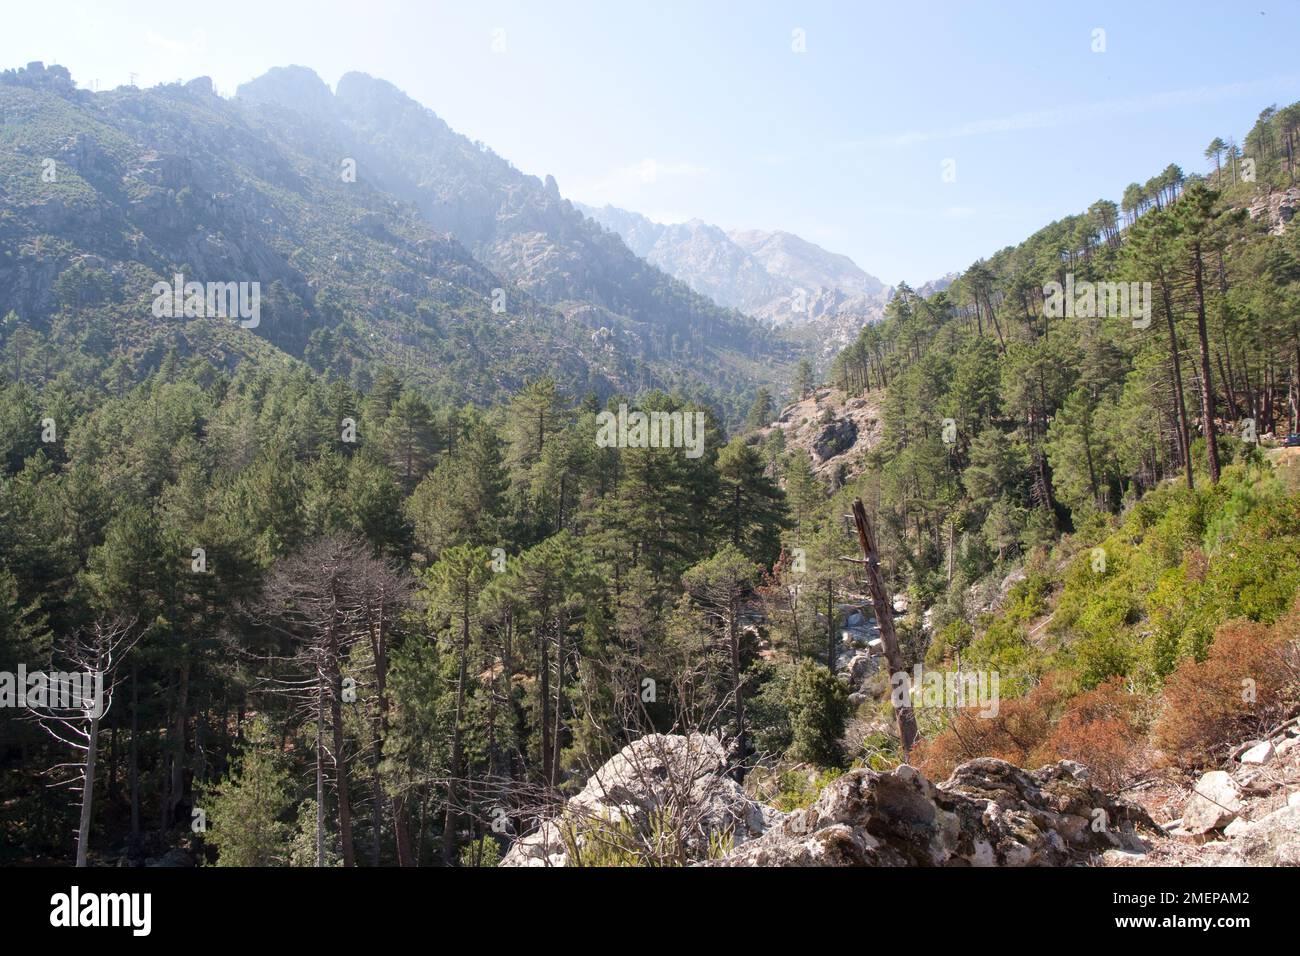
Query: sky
(913, 137)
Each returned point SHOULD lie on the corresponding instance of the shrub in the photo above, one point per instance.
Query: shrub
(246, 808)
(1101, 729)
(1248, 682)
(818, 706)
(658, 842)
(1017, 730)
(799, 789)
(484, 851)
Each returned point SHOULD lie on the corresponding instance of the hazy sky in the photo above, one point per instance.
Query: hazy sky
(704, 109)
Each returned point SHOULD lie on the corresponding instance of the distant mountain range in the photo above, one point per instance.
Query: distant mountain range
(776, 276)
(379, 236)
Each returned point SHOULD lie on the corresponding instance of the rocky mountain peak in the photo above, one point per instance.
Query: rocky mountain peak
(295, 87)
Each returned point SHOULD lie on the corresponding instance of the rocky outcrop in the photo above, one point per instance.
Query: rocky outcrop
(835, 438)
(1271, 840)
(988, 813)
(1278, 207)
(835, 430)
(661, 782)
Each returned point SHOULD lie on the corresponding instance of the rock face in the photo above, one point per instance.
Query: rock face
(835, 438)
(772, 275)
(1279, 208)
(835, 430)
(988, 813)
(682, 777)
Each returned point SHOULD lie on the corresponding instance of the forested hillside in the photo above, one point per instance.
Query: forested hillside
(1079, 499)
(367, 586)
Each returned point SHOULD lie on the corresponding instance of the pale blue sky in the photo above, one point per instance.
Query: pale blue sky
(703, 109)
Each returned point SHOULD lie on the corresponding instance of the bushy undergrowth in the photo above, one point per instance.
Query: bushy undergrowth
(1176, 629)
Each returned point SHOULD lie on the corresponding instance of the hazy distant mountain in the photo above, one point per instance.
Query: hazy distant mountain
(401, 264)
(807, 265)
(773, 275)
(699, 254)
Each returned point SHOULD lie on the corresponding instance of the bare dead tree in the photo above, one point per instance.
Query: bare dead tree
(884, 609)
(327, 598)
(73, 713)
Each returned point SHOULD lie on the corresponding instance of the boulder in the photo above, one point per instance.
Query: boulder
(1261, 753)
(1215, 802)
(988, 813)
(1236, 828)
(683, 777)
(858, 668)
(1272, 840)
(175, 857)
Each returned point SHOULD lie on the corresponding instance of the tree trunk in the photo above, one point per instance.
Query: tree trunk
(176, 786)
(450, 821)
(1207, 393)
(733, 635)
(1184, 433)
(341, 769)
(561, 626)
(320, 769)
(830, 625)
(133, 760)
(87, 792)
(544, 682)
(885, 620)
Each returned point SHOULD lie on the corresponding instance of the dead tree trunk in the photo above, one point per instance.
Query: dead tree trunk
(830, 625)
(885, 620)
(87, 791)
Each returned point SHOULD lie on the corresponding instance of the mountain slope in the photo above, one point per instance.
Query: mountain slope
(354, 274)
(517, 225)
(806, 264)
(699, 254)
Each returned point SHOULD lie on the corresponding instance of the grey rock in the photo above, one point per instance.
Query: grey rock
(685, 777)
(988, 813)
(1215, 802)
(835, 438)
(175, 857)
(1261, 753)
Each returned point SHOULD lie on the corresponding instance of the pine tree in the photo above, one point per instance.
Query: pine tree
(245, 811)
(751, 508)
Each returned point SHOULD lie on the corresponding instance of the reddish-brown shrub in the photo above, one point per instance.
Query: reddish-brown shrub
(1020, 726)
(1102, 730)
(1246, 685)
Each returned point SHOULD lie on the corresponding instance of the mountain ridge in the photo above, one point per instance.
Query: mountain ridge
(771, 274)
(378, 269)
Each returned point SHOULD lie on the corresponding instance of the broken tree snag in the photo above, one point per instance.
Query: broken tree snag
(885, 621)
